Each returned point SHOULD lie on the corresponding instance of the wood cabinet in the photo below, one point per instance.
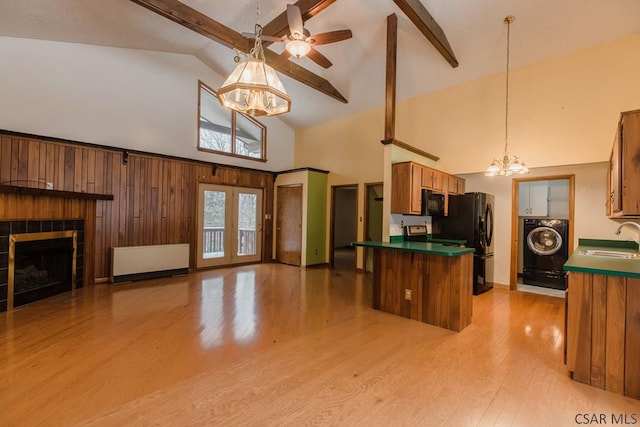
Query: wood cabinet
(603, 332)
(432, 179)
(406, 188)
(624, 168)
(455, 185)
(410, 178)
(429, 288)
(533, 198)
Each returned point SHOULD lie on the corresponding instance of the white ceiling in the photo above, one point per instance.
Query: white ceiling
(543, 29)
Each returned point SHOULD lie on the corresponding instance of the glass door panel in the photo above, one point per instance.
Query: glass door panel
(248, 230)
(214, 221)
(229, 225)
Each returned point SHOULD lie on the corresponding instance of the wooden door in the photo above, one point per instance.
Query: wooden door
(289, 225)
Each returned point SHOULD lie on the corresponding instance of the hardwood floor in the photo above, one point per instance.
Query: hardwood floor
(273, 344)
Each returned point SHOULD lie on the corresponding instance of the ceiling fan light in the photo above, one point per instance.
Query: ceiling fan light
(254, 88)
(298, 48)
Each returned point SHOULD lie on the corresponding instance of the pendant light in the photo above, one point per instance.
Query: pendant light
(507, 164)
(254, 88)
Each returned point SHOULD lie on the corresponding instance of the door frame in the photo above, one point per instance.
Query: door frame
(515, 238)
(230, 239)
(332, 217)
(365, 223)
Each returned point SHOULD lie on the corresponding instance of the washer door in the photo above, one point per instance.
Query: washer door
(544, 241)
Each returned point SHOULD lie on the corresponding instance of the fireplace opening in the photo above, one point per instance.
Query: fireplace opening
(41, 265)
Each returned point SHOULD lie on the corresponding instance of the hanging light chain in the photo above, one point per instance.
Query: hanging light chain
(257, 52)
(508, 20)
(507, 164)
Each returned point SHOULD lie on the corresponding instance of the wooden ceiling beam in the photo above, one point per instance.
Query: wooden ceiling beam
(428, 26)
(208, 27)
(390, 84)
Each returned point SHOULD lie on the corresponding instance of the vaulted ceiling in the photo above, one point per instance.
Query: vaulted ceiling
(476, 33)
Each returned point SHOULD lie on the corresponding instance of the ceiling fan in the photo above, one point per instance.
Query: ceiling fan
(300, 42)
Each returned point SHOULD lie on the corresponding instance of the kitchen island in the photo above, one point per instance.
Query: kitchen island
(602, 339)
(425, 281)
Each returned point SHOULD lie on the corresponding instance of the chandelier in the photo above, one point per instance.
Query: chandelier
(507, 164)
(254, 87)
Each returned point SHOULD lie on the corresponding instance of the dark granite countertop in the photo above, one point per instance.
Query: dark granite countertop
(429, 248)
(604, 265)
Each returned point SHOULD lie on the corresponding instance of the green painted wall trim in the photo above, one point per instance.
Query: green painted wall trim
(316, 218)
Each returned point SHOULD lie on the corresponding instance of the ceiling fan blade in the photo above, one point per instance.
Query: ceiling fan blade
(331, 37)
(319, 58)
(295, 20)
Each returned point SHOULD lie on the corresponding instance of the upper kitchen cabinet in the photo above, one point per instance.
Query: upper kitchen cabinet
(624, 168)
(432, 179)
(406, 188)
(455, 185)
(533, 198)
(559, 198)
(408, 181)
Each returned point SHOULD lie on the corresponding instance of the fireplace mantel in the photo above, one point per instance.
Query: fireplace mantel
(16, 189)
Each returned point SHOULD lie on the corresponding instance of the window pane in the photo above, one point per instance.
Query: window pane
(214, 219)
(247, 213)
(215, 123)
(249, 136)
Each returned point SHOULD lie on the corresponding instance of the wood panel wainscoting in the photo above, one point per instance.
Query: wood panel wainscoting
(154, 196)
(603, 332)
(429, 288)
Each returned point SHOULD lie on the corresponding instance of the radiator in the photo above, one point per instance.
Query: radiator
(147, 262)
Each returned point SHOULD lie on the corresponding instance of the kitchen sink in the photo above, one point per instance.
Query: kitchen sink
(610, 254)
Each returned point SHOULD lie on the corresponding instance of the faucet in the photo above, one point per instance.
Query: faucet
(635, 224)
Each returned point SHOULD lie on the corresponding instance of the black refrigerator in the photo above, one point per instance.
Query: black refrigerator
(470, 218)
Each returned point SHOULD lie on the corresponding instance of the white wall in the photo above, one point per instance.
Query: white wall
(562, 110)
(134, 99)
(590, 215)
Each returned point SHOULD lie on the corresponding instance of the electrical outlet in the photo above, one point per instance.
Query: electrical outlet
(316, 252)
(407, 294)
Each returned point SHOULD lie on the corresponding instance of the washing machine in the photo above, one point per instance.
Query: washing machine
(545, 252)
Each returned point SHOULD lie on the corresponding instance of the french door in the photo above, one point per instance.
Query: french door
(229, 225)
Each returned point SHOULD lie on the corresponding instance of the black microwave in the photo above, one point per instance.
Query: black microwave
(432, 203)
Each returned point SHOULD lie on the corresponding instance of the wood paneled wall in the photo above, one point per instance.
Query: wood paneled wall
(154, 197)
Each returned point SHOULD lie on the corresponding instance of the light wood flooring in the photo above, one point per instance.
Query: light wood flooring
(274, 344)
